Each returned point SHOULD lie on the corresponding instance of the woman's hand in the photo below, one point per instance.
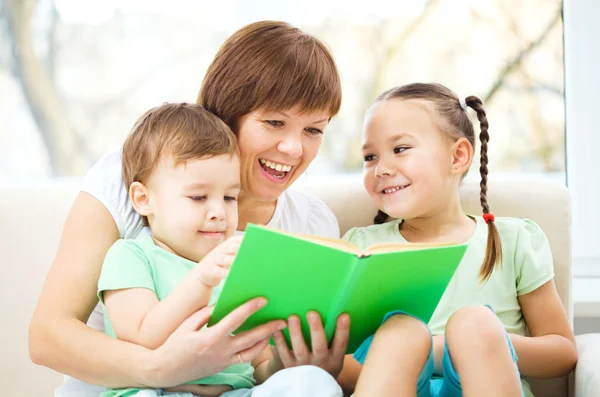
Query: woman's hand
(329, 359)
(191, 353)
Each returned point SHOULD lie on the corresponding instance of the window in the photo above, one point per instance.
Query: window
(582, 76)
(79, 80)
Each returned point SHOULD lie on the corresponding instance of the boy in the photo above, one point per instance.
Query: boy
(182, 169)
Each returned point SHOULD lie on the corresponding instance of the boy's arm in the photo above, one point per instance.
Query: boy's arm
(550, 351)
(137, 315)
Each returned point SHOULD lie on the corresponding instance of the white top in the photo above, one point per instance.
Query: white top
(296, 211)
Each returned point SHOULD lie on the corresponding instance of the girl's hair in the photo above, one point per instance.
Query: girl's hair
(456, 123)
(270, 65)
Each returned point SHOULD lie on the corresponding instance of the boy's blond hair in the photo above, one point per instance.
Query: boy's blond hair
(183, 131)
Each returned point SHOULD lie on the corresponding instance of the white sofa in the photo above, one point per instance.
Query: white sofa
(31, 220)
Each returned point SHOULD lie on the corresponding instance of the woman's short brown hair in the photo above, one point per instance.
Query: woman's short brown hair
(270, 65)
(184, 131)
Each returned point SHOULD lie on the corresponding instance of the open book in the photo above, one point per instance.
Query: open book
(298, 273)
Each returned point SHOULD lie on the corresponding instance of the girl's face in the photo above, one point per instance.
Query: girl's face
(276, 148)
(409, 163)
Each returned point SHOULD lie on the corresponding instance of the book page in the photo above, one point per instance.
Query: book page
(326, 241)
(394, 247)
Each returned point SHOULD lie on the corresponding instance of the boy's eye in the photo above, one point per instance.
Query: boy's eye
(274, 123)
(230, 198)
(197, 198)
(315, 131)
(400, 149)
(369, 157)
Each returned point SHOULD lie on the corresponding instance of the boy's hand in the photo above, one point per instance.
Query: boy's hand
(215, 266)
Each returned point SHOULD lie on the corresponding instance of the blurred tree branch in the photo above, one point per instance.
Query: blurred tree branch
(64, 152)
(518, 58)
(393, 47)
(389, 49)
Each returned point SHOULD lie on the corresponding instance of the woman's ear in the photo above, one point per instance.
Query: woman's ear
(140, 199)
(462, 156)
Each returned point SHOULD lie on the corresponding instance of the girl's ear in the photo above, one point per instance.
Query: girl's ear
(140, 199)
(462, 156)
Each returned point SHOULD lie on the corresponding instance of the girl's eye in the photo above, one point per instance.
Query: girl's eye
(400, 149)
(274, 123)
(315, 131)
(230, 198)
(369, 157)
(197, 198)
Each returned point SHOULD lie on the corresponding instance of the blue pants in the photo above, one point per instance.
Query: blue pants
(429, 385)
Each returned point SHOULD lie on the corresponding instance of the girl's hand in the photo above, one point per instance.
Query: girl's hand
(191, 353)
(329, 359)
(214, 267)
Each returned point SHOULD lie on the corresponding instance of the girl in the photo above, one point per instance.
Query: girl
(418, 145)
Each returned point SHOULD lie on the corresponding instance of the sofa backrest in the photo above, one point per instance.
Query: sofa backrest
(31, 221)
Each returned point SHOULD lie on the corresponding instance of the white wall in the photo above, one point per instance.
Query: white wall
(582, 88)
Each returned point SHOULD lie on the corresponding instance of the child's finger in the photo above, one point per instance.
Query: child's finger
(226, 261)
(341, 336)
(232, 244)
(298, 343)
(214, 275)
(286, 357)
(317, 335)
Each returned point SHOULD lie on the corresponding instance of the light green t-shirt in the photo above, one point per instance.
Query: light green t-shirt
(526, 266)
(140, 263)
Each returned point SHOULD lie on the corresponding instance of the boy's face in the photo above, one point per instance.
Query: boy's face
(194, 204)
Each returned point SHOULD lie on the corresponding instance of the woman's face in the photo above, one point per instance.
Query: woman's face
(276, 148)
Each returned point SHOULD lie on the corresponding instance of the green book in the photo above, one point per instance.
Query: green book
(298, 273)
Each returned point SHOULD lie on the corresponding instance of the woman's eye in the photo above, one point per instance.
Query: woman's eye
(197, 198)
(400, 149)
(274, 123)
(369, 157)
(315, 131)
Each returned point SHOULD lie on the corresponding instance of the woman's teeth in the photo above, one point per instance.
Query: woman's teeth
(275, 166)
(394, 189)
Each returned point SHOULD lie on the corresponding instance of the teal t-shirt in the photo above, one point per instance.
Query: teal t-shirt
(140, 263)
(526, 266)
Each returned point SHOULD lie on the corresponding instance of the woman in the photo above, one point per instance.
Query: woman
(277, 88)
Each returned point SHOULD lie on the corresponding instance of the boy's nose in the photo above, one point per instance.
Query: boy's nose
(217, 212)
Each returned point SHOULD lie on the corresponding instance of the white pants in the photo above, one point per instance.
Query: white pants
(305, 381)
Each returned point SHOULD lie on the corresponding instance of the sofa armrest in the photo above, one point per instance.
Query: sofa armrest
(587, 376)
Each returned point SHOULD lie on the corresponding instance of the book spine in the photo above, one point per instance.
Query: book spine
(339, 306)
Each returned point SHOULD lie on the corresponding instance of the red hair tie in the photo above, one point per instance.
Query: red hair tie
(488, 218)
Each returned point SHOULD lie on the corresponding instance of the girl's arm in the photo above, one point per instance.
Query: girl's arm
(550, 351)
